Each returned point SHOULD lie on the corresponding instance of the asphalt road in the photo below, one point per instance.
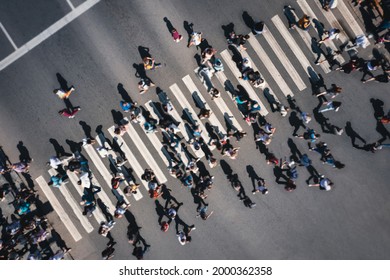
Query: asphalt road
(96, 52)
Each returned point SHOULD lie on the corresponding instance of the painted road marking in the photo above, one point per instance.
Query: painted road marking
(46, 189)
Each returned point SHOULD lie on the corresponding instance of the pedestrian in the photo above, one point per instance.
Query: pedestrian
(269, 129)
(131, 189)
(331, 56)
(324, 183)
(309, 134)
(218, 65)
(214, 93)
(57, 180)
(203, 213)
(208, 54)
(237, 40)
(108, 253)
(144, 85)
(369, 66)
(260, 187)
(121, 208)
(258, 28)
(116, 181)
(331, 105)
(176, 36)
(271, 158)
(329, 4)
(54, 162)
(204, 113)
(127, 106)
(20, 167)
(290, 185)
(304, 22)
(332, 92)
(150, 64)
(263, 137)
(382, 78)
(196, 39)
(70, 113)
(330, 34)
(63, 94)
(292, 21)
(105, 228)
(121, 129)
(352, 65)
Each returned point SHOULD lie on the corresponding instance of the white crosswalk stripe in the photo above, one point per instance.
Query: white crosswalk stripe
(197, 94)
(186, 106)
(64, 217)
(73, 204)
(277, 21)
(349, 19)
(333, 22)
(222, 106)
(152, 109)
(98, 215)
(307, 39)
(129, 155)
(264, 85)
(281, 55)
(93, 155)
(307, 10)
(226, 56)
(174, 113)
(145, 151)
(270, 66)
(112, 158)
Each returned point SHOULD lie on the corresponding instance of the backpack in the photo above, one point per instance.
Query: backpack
(305, 160)
(292, 173)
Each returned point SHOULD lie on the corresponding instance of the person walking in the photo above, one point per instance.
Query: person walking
(260, 187)
(330, 34)
(70, 113)
(150, 64)
(368, 67)
(176, 35)
(324, 183)
(331, 105)
(196, 39)
(304, 22)
(128, 106)
(63, 94)
(203, 213)
(144, 85)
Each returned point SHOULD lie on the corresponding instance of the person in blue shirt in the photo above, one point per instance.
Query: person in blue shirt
(127, 106)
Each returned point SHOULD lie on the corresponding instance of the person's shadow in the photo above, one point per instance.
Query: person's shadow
(124, 94)
(227, 29)
(160, 211)
(87, 129)
(169, 24)
(295, 122)
(353, 135)
(63, 83)
(24, 153)
(189, 28)
(377, 104)
(296, 153)
(322, 120)
(320, 27)
(248, 20)
(166, 194)
(104, 209)
(117, 116)
(144, 52)
(316, 49)
(60, 151)
(253, 176)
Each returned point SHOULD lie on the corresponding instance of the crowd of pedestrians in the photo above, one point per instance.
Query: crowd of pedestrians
(28, 231)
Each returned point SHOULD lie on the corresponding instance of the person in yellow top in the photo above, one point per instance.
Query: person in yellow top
(304, 22)
(150, 64)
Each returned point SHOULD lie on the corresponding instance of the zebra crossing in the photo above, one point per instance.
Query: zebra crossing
(190, 99)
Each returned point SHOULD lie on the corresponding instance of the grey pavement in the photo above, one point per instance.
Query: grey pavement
(96, 52)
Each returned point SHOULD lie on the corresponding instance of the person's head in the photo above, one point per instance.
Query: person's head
(117, 130)
(55, 91)
(337, 31)
(188, 239)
